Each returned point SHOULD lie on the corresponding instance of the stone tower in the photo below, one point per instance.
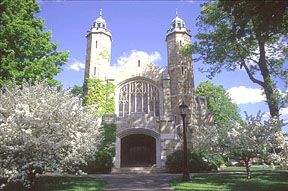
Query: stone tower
(98, 52)
(180, 69)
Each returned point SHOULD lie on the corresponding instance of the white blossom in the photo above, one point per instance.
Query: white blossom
(253, 138)
(42, 127)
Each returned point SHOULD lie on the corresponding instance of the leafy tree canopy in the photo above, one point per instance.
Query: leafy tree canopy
(246, 34)
(219, 103)
(25, 48)
(76, 91)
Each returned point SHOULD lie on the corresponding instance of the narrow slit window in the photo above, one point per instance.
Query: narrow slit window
(182, 70)
(174, 121)
(96, 44)
(94, 72)
(180, 43)
(138, 63)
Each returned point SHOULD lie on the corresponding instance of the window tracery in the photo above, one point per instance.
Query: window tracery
(138, 96)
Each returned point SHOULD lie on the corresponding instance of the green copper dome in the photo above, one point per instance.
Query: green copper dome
(100, 22)
(177, 23)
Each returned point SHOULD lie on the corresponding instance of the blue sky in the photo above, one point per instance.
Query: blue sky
(138, 26)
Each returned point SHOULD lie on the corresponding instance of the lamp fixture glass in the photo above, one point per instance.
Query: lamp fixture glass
(183, 109)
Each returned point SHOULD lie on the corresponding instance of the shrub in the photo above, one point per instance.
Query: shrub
(198, 161)
(43, 128)
(174, 161)
(102, 162)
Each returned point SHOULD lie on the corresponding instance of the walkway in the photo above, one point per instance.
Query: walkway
(145, 182)
(138, 182)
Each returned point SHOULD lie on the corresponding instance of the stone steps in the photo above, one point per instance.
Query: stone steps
(137, 170)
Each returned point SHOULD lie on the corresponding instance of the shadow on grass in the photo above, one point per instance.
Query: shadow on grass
(57, 183)
(262, 181)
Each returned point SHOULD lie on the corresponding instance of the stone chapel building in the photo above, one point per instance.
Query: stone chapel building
(147, 98)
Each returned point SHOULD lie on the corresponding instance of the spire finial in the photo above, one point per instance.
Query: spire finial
(176, 12)
(100, 12)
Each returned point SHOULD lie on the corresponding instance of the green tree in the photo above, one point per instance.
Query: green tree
(25, 48)
(76, 91)
(219, 103)
(250, 35)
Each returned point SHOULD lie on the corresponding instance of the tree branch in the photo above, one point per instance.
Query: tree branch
(252, 78)
(253, 60)
(249, 52)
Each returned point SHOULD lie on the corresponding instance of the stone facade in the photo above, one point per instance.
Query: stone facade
(147, 97)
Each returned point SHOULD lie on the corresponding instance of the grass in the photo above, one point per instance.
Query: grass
(57, 183)
(243, 169)
(260, 181)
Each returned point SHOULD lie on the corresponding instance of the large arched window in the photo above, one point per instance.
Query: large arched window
(138, 95)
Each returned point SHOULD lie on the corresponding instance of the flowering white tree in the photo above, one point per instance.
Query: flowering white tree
(281, 154)
(255, 138)
(43, 129)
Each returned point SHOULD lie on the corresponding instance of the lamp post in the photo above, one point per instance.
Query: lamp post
(183, 112)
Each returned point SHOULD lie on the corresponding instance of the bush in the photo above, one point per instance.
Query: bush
(216, 161)
(174, 161)
(198, 161)
(43, 128)
(102, 161)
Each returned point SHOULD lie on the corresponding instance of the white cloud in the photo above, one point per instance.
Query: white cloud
(76, 65)
(245, 95)
(155, 57)
(284, 111)
(135, 55)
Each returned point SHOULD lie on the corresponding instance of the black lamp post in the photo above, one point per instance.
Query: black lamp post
(183, 112)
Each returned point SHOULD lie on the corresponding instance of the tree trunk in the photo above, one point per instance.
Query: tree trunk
(269, 90)
(32, 176)
(247, 169)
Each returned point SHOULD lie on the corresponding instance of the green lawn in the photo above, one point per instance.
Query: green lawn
(261, 181)
(243, 169)
(57, 183)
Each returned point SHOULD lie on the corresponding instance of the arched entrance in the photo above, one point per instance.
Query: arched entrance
(138, 150)
(138, 147)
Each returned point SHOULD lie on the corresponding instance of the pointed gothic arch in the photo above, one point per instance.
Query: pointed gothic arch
(137, 95)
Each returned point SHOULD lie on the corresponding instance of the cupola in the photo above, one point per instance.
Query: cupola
(100, 22)
(177, 22)
(177, 25)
